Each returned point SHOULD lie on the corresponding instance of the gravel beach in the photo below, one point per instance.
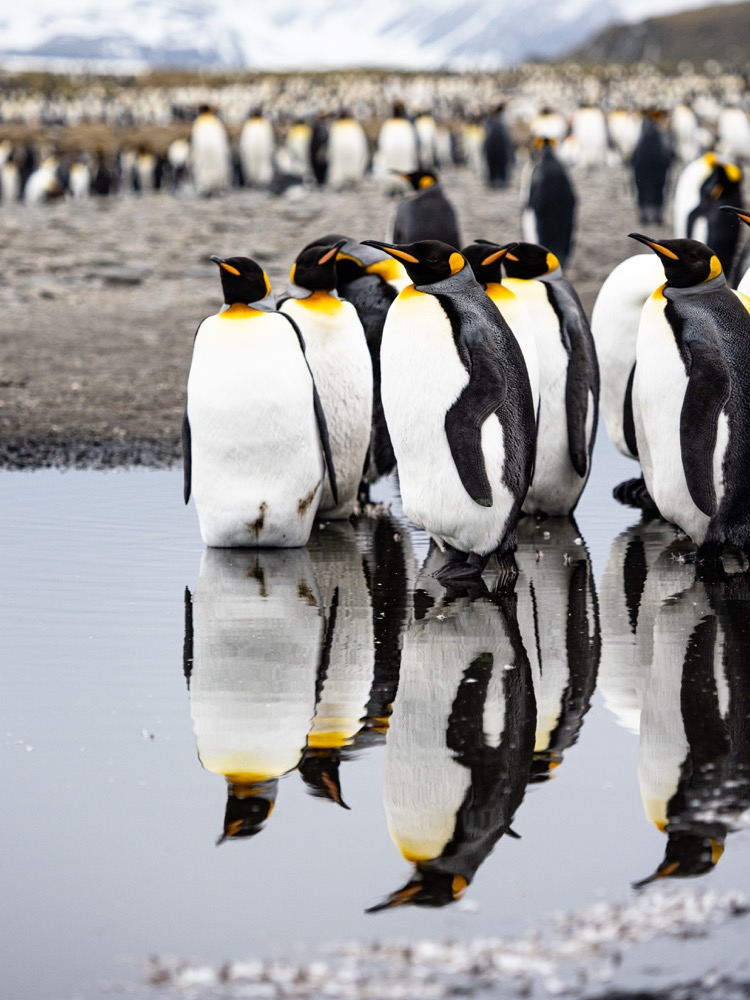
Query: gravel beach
(101, 298)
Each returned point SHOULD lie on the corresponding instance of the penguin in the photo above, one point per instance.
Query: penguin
(568, 379)
(707, 223)
(485, 261)
(256, 149)
(741, 272)
(548, 203)
(459, 408)
(254, 433)
(397, 145)
(345, 674)
(348, 152)
(426, 213)
(460, 743)
(210, 155)
(650, 162)
(370, 279)
(253, 635)
(336, 349)
(614, 327)
(499, 151)
(558, 617)
(691, 398)
(589, 130)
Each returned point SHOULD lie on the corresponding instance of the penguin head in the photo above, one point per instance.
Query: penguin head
(688, 854)
(529, 260)
(485, 259)
(724, 182)
(419, 179)
(242, 280)
(686, 262)
(320, 772)
(248, 807)
(425, 888)
(315, 266)
(425, 261)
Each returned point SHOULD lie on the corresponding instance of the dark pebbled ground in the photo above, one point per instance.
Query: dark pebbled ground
(100, 300)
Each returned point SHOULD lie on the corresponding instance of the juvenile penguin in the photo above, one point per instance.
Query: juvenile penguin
(340, 363)
(253, 425)
(548, 203)
(485, 261)
(691, 394)
(458, 404)
(426, 214)
(568, 379)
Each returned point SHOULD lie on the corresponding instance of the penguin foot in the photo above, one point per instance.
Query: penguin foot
(461, 566)
(633, 493)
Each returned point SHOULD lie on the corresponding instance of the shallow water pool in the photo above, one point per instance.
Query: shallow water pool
(351, 735)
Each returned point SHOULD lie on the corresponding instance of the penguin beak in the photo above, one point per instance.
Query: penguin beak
(393, 251)
(657, 247)
(223, 264)
(499, 254)
(331, 252)
(741, 213)
(396, 899)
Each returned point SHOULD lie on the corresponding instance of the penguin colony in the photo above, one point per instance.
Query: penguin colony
(474, 374)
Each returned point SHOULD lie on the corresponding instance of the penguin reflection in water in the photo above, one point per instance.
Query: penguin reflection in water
(691, 396)
(459, 408)
(252, 689)
(460, 744)
(694, 748)
(253, 425)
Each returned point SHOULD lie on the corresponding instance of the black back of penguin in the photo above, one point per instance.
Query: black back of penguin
(720, 230)
(553, 202)
(427, 214)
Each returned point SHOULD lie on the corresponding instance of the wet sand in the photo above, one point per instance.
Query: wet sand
(101, 299)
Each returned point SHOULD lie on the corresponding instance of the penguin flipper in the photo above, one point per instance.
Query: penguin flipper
(187, 456)
(483, 396)
(707, 392)
(583, 372)
(320, 417)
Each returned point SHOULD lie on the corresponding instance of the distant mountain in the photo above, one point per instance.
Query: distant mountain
(314, 34)
(716, 32)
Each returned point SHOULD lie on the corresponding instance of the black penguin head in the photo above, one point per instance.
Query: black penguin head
(248, 807)
(242, 280)
(426, 261)
(419, 179)
(724, 183)
(742, 213)
(315, 266)
(529, 260)
(688, 854)
(425, 888)
(320, 772)
(686, 262)
(485, 259)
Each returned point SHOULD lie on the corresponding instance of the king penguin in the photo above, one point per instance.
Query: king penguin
(340, 362)
(486, 262)
(253, 425)
(370, 279)
(741, 273)
(568, 379)
(707, 223)
(459, 408)
(426, 213)
(548, 203)
(691, 395)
